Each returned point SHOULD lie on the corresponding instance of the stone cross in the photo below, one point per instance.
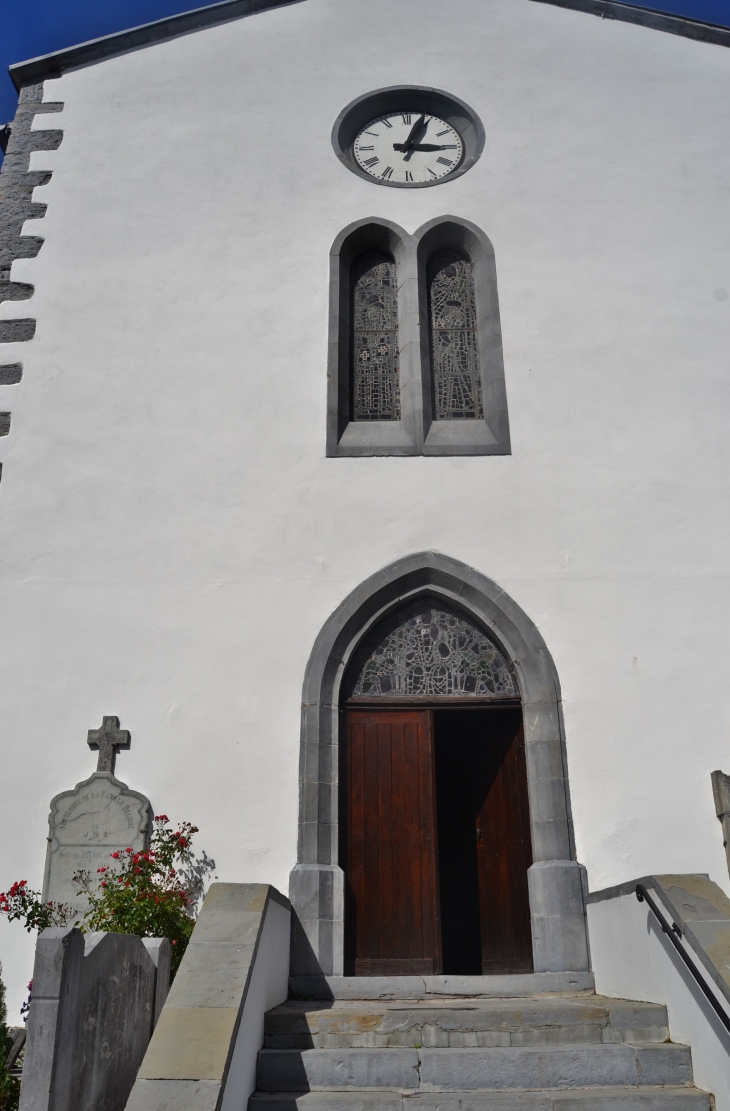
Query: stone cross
(108, 739)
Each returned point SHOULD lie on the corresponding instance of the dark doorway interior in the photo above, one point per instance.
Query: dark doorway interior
(484, 844)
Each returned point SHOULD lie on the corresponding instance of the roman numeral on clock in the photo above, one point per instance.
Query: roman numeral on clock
(387, 173)
(387, 123)
(409, 175)
(406, 119)
(445, 161)
(371, 161)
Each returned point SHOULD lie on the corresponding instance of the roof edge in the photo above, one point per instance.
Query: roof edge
(53, 65)
(647, 17)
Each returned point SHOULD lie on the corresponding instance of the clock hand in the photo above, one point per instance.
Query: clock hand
(419, 146)
(419, 129)
(415, 129)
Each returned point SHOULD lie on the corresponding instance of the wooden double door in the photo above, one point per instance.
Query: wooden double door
(436, 841)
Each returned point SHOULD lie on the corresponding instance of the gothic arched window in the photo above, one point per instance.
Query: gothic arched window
(452, 317)
(375, 378)
(426, 648)
(414, 363)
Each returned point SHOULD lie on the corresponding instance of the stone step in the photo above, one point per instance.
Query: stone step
(477, 1023)
(581, 1099)
(511, 985)
(439, 1070)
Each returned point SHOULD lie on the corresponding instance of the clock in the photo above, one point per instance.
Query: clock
(410, 148)
(408, 137)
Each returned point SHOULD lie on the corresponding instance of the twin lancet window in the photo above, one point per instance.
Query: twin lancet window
(415, 353)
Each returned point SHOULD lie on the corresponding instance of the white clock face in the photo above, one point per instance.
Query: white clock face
(408, 148)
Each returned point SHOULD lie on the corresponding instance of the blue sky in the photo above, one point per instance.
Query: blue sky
(32, 27)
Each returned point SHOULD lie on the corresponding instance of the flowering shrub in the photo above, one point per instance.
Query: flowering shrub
(20, 902)
(149, 893)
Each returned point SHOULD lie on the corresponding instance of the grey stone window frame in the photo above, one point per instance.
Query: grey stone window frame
(378, 437)
(417, 433)
(556, 880)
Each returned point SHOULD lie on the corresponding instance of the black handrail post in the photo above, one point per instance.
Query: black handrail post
(674, 932)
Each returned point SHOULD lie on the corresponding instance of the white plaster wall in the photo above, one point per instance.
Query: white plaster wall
(633, 960)
(173, 536)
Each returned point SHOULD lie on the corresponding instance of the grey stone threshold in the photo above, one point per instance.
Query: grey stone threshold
(612, 1099)
(421, 987)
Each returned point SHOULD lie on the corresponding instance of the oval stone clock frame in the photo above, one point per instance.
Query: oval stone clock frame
(408, 98)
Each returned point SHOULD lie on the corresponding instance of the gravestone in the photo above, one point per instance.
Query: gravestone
(98, 817)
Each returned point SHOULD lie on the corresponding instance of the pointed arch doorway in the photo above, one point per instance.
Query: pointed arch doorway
(434, 812)
(317, 882)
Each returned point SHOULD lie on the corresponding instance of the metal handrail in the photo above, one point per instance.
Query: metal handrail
(674, 932)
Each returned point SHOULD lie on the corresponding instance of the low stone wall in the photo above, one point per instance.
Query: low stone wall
(96, 998)
(202, 1056)
(632, 959)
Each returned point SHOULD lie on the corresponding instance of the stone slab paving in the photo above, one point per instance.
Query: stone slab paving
(596, 1099)
(556, 1066)
(479, 1023)
(473, 1053)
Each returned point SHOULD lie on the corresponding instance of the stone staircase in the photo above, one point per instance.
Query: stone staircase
(541, 1053)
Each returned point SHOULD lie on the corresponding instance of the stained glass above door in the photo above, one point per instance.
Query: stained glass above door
(428, 649)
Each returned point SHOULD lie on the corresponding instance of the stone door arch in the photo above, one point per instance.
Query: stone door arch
(317, 881)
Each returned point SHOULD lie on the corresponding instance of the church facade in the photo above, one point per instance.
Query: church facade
(365, 388)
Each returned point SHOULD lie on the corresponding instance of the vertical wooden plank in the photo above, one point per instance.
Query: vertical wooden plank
(430, 900)
(385, 736)
(369, 913)
(355, 875)
(522, 896)
(402, 839)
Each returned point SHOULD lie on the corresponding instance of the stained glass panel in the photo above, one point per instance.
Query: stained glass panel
(457, 384)
(428, 649)
(375, 380)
